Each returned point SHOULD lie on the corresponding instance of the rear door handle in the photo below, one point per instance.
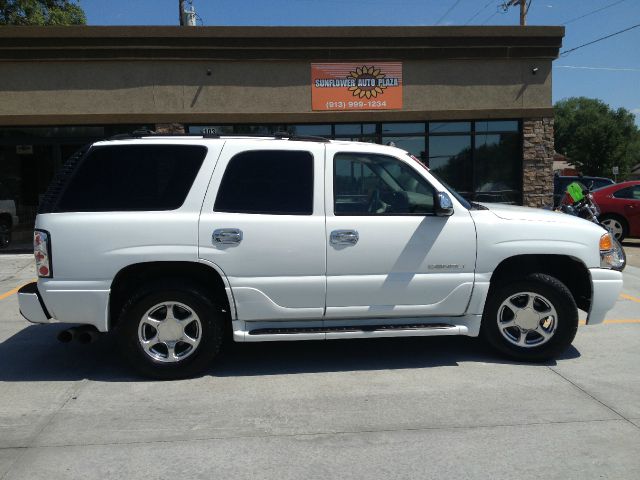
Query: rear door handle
(227, 236)
(344, 237)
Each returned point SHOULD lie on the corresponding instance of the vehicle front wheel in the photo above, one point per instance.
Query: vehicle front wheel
(170, 332)
(531, 319)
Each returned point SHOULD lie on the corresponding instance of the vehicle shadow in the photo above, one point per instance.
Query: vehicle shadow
(34, 354)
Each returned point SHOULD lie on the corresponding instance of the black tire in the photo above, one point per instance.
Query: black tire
(550, 289)
(212, 321)
(623, 224)
(5, 233)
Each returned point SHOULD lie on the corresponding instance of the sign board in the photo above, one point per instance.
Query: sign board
(615, 170)
(24, 149)
(356, 86)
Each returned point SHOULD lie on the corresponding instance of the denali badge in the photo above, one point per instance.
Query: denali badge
(445, 267)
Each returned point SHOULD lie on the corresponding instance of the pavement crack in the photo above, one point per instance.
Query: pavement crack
(611, 409)
(322, 433)
(69, 393)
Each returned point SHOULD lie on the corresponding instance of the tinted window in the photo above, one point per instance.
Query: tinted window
(277, 182)
(497, 126)
(632, 193)
(450, 158)
(402, 128)
(497, 171)
(132, 178)
(449, 127)
(600, 182)
(367, 184)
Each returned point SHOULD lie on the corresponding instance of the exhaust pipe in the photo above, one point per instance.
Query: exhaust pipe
(84, 334)
(66, 336)
(87, 334)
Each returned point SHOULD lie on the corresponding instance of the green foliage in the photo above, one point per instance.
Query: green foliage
(41, 12)
(595, 137)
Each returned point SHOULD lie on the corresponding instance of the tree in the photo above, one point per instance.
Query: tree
(595, 137)
(41, 12)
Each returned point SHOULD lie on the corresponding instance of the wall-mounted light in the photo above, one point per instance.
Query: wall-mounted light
(208, 73)
(534, 70)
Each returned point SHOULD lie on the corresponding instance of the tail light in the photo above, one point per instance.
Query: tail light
(42, 252)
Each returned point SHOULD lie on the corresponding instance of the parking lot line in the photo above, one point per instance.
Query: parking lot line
(630, 297)
(15, 290)
(10, 292)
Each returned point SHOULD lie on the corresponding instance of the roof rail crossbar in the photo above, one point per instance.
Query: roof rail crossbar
(293, 137)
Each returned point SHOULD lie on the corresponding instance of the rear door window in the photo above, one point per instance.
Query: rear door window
(132, 178)
(272, 182)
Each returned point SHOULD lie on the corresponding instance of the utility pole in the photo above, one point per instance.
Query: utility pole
(523, 9)
(181, 6)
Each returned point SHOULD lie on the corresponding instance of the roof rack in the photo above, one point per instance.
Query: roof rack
(276, 135)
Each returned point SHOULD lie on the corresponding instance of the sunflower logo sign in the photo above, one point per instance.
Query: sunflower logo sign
(351, 86)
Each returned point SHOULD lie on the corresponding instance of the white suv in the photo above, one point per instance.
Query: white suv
(169, 241)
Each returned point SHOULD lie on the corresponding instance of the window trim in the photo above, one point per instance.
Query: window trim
(296, 214)
(370, 214)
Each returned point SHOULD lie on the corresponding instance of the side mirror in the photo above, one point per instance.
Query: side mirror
(444, 205)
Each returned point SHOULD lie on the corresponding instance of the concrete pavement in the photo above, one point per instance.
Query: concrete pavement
(390, 408)
(632, 249)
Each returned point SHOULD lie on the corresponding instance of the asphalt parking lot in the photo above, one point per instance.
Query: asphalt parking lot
(393, 408)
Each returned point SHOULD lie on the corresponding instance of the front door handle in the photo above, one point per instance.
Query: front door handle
(344, 237)
(227, 236)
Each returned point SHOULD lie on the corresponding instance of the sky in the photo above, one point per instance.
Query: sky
(608, 70)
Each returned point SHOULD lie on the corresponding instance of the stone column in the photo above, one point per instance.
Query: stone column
(537, 162)
(171, 128)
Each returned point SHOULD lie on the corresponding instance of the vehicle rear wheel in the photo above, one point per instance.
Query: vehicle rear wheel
(616, 225)
(5, 233)
(531, 319)
(171, 331)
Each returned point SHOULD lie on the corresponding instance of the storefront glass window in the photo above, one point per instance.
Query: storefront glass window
(449, 127)
(258, 129)
(394, 128)
(317, 130)
(342, 129)
(450, 158)
(210, 129)
(413, 145)
(497, 126)
(497, 172)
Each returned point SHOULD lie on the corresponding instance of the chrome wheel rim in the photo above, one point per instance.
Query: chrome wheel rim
(169, 332)
(614, 226)
(527, 319)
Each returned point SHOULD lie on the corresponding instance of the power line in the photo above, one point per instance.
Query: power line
(593, 11)
(479, 12)
(566, 52)
(455, 4)
(498, 8)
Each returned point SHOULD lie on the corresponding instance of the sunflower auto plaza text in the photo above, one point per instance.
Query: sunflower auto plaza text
(353, 82)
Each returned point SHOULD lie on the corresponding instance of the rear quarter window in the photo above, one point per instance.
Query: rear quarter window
(132, 178)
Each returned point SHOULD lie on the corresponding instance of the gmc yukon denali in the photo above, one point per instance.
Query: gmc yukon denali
(170, 241)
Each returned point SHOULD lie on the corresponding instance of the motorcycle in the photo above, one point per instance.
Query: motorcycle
(578, 201)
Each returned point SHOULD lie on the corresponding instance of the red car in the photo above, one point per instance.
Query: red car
(620, 208)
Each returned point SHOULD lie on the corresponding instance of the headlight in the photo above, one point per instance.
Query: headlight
(611, 253)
